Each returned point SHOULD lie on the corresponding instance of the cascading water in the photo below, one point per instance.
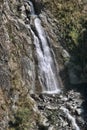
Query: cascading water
(72, 119)
(47, 69)
(48, 75)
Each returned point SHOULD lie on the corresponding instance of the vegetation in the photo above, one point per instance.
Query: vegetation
(72, 18)
(24, 117)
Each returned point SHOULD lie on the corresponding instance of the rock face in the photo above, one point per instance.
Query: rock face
(17, 67)
(20, 108)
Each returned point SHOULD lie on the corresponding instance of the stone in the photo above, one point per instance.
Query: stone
(64, 99)
(43, 121)
(79, 111)
(76, 75)
(65, 124)
(41, 107)
(51, 128)
(51, 107)
(65, 54)
(61, 96)
(81, 120)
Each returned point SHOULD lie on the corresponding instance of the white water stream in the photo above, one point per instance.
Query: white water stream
(48, 77)
(47, 70)
(72, 119)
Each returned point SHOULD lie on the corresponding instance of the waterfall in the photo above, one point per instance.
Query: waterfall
(48, 77)
(47, 72)
(72, 119)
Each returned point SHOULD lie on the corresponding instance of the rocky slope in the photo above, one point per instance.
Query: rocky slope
(18, 72)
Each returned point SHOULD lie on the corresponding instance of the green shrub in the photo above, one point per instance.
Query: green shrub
(22, 119)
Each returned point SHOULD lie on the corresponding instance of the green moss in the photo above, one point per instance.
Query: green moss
(74, 35)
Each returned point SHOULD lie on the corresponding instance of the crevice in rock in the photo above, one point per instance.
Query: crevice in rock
(37, 6)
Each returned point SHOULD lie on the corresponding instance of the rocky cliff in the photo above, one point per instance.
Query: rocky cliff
(17, 67)
(18, 64)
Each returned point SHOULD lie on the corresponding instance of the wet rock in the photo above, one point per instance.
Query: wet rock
(81, 120)
(61, 96)
(51, 107)
(35, 97)
(75, 74)
(41, 107)
(41, 127)
(51, 128)
(37, 5)
(65, 124)
(79, 111)
(64, 99)
(43, 121)
(41, 96)
(65, 55)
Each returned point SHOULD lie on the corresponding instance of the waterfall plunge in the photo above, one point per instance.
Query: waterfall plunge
(48, 77)
(47, 72)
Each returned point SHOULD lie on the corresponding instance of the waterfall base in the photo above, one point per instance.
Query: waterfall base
(51, 92)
